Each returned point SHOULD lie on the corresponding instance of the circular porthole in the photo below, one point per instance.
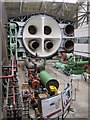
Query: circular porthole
(47, 30)
(69, 30)
(48, 44)
(32, 29)
(33, 44)
(69, 45)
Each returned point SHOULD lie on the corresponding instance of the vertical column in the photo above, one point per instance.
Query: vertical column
(0, 60)
(4, 35)
(88, 10)
(89, 58)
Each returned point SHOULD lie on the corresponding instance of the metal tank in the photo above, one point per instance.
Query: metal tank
(47, 80)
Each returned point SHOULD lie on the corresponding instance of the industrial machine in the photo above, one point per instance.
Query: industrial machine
(30, 40)
(42, 35)
(71, 67)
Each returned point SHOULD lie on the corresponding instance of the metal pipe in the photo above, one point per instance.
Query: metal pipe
(82, 62)
(33, 44)
(8, 66)
(69, 30)
(21, 5)
(48, 44)
(69, 45)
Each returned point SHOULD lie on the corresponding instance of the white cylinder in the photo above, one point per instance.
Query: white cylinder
(41, 35)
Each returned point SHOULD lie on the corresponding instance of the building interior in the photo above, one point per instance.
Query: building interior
(45, 59)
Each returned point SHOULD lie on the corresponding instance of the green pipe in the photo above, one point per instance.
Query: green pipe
(47, 80)
(77, 72)
(72, 67)
(82, 62)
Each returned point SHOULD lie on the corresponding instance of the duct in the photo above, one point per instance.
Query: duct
(69, 30)
(33, 44)
(69, 45)
(48, 44)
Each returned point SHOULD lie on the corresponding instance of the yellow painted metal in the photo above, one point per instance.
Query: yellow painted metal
(54, 89)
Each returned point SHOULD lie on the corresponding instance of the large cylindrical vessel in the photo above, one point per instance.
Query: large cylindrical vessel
(47, 80)
(41, 35)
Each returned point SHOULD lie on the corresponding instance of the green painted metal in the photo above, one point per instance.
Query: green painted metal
(82, 62)
(47, 80)
(60, 65)
(77, 71)
(69, 55)
(72, 67)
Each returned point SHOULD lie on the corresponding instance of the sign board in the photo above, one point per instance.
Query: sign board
(67, 97)
(75, 77)
(51, 105)
(57, 106)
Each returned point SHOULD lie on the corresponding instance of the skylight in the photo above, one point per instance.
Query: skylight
(67, 1)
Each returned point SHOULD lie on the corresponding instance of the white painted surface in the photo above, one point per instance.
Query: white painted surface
(82, 31)
(82, 47)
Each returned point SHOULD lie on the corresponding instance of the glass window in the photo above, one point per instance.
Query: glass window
(88, 40)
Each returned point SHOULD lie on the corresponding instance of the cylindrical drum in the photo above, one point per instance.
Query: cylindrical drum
(41, 35)
(47, 80)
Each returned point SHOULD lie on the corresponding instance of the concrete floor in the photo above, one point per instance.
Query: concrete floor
(80, 105)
